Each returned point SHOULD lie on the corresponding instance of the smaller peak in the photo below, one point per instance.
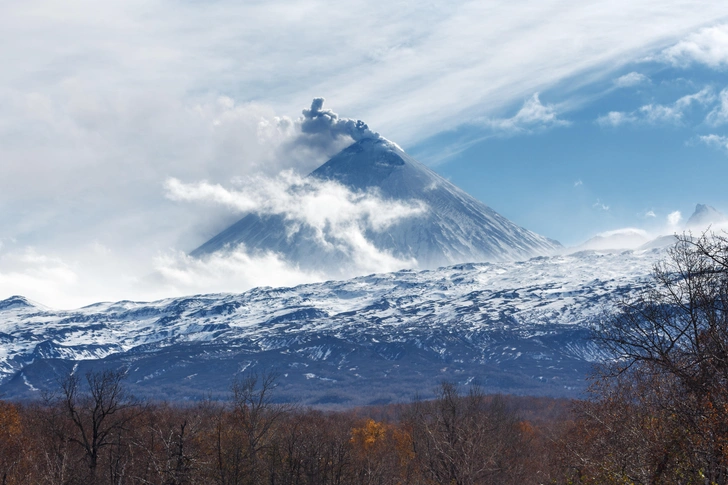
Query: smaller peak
(703, 208)
(15, 302)
(704, 216)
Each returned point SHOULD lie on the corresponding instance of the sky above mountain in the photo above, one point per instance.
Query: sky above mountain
(569, 119)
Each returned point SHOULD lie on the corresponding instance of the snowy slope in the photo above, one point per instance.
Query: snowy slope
(514, 326)
(455, 228)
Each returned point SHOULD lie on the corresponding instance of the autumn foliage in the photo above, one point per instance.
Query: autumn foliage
(91, 432)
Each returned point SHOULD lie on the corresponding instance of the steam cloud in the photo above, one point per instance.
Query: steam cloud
(339, 218)
(318, 203)
(324, 128)
(319, 121)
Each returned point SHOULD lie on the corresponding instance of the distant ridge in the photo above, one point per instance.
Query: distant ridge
(456, 227)
(628, 238)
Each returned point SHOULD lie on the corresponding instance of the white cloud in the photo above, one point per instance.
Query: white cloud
(719, 114)
(578, 183)
(57, 283)
(716, 141)
(533, 115)
(616, 118)
(600, 205)
(708, 46)
(33, 266)
(650, 214)
(317, 203)
(339, 217)
(703, 97)
(631, 79)
(626, 231)
(232, 271)
(239, 270)
(657, 113)
(674, 218)
(654, 114)
(534, 112)
(30, 273)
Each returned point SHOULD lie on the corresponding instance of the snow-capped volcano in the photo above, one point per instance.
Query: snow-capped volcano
(453, 227)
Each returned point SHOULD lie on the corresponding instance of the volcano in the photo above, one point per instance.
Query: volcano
(454, 228)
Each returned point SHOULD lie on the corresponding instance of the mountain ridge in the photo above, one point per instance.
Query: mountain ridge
(519, 327)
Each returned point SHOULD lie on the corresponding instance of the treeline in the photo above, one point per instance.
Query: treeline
(657, 414)
(91, 432)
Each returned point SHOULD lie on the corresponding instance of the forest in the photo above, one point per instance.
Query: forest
(656, 413)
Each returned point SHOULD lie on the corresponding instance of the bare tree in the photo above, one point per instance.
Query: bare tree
(679, 323)
(170, 440)
(670, 367)
(245, 433)
(464, 439)
(100, 410)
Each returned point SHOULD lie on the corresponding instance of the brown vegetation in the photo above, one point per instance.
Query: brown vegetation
(92, 433)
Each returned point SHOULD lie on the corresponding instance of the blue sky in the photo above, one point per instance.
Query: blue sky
(569, 118)
(595, 172)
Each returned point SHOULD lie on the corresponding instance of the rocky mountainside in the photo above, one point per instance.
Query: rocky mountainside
(455, 227)
(518, 327)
